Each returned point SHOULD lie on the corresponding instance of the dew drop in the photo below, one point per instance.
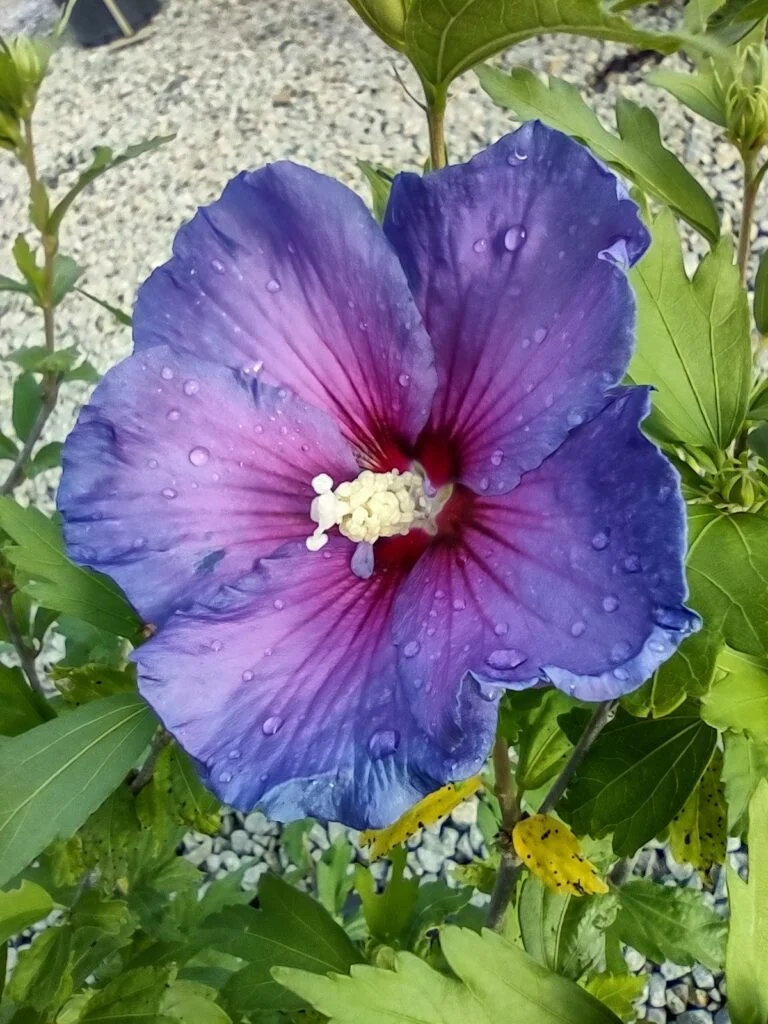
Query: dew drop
(404, 380)
(484, 483)
(278, 604)
(173, 415)
(497, 458)
(459, 604)
(273, 285)
(247, 676)
(516, 157)
(577, 629)
(503, 659)
(439, 594)
(525, 343)
(663, 494)
(575, 418)
(549, 401)
(501, 629)
(411, 649)
(610, 603)
(600, 541)
(671, 618)
(487, 692)
(539, 335)
(620, 651)
(168, 492)
(191, 386)
(272, 725)
(514, 239)
(632, 563)
(166, 373)
(480, 245)
(225, 777)
(218, 266)
(153, 463)
(199, 456)
(384, 742)
(234, 755)
(621, 674)
(216, 645)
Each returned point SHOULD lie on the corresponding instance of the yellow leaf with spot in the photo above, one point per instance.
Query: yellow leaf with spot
(426, 812)
(552, 853)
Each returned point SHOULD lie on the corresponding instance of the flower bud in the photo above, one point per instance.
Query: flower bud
(386, 18)
(746, 100)
(23, 64)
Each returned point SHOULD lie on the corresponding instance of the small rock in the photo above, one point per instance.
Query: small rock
(722, 1016)
(230, 860)
(240, 841)
(465, 815)
(336, 831)
(218, 844)
(656, 1016)
(695, 1017)
(681, 872)
(212, 863)
(256, 824)
(635, 961)
(253, 874)
(464, 852)
(657, 989)
(476, 838)
(449, 837)
(227, 824)
(699, 998)
(431, 854)
(677, 1000)
(703, 978)
(672, 971)
(319, 836)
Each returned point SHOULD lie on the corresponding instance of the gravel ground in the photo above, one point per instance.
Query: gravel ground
(243, 83)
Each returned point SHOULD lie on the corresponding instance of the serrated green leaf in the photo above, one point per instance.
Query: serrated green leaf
(667, 923)
(55, 581)
(43, 974)
(27, 402)
(132, 998)
(20, 707)
(497, 984)
(120, 315)
(380, 179)
(192, 1003)
(564, 933)
(688, 673)
(435, 903)
(542, 747)
(21, 907)
(619, 992)
(291, 929)
(636, 152)
(693, 341)
(54, 776)
(444, 40)
(738, 698)
(697, 835)
(697, 91)
(745, 764)
(100, 928)
(637, 775)
(748, 931)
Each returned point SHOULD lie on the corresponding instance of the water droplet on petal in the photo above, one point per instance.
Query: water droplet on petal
(503, 659)
(575, 418)
(384, 742)
(439, 594)
(487, 692)
(484, 483)
(577, 629)
(166, 373)
(199, 456)
(153, 463)
(411, 649)
(497, 458)
(621, 674)
(218, 266)
(216, 645)
(620, 651)
(671, 618)
(514, 239)
(600, 541)
(525, 343)
(632, 563)
(480, 245)
(549, 401)
(539, 335)
(272, 725)
(191, 386)
(234, 755)
(517, 156)
(610, 603)
(663, 493)
(278, 604)
(247, 676)
(225, 777)
(273, 285)
(404, 380)
(459, 604)
(501, 629)
(173, 415)
(168, 492)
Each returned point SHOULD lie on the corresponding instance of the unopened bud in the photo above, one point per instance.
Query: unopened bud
(746, 100)
(386, 18)
(23, 64)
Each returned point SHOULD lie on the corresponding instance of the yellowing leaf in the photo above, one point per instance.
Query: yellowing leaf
(552, 853)
(697, 835)
(426, 812)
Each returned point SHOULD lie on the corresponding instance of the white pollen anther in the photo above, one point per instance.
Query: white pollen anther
(372, 506)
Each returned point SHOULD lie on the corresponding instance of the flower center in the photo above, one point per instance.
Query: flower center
(374, 505)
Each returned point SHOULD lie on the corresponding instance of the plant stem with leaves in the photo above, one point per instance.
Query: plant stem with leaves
(752, 179)
(26, 654)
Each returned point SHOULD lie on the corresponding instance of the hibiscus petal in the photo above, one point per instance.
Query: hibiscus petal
(289, 272)
(179, 474)
(515, 262)
(286, 692)
(575, 576)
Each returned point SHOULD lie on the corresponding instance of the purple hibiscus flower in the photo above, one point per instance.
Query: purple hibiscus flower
(363, 480)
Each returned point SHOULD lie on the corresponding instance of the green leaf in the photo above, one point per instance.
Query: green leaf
(693, 341)
(738, 698)
(8, 448)
(20, 707)
(43, 974)
(688, 673)
(380, 179)
(697, 835)
(745, 764)
(734, 19)
(435, 903)
(177, 794)
(101, 927)
(120, 315)
(47, 457)
(761, 294)
(637, 775)
(7, 284)
(667, 923)
(697, 91)
(103, 160)
(39, 359)
(332, 879)
(19, 908)
(132, 998)
(65, 273)
(55, 581)
(386, 18)
(636, 152)
(192, 1003)
(728, 575)
(542, 747)
(498, 984)
(27, 402)
(26, 262)
(566, 933)
(619, 992)
(85, 371)
(291, 929)
(443, 40)
(387, 913)
(748, 933)
(54, 776)
(84, 683)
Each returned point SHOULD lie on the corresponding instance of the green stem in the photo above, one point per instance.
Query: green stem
(510, 867)
(752, 180)
(436, 124)
(26, 654)
(144, 775)
(602, 716)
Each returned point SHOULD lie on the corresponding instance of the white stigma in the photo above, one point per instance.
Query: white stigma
(374, 505)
